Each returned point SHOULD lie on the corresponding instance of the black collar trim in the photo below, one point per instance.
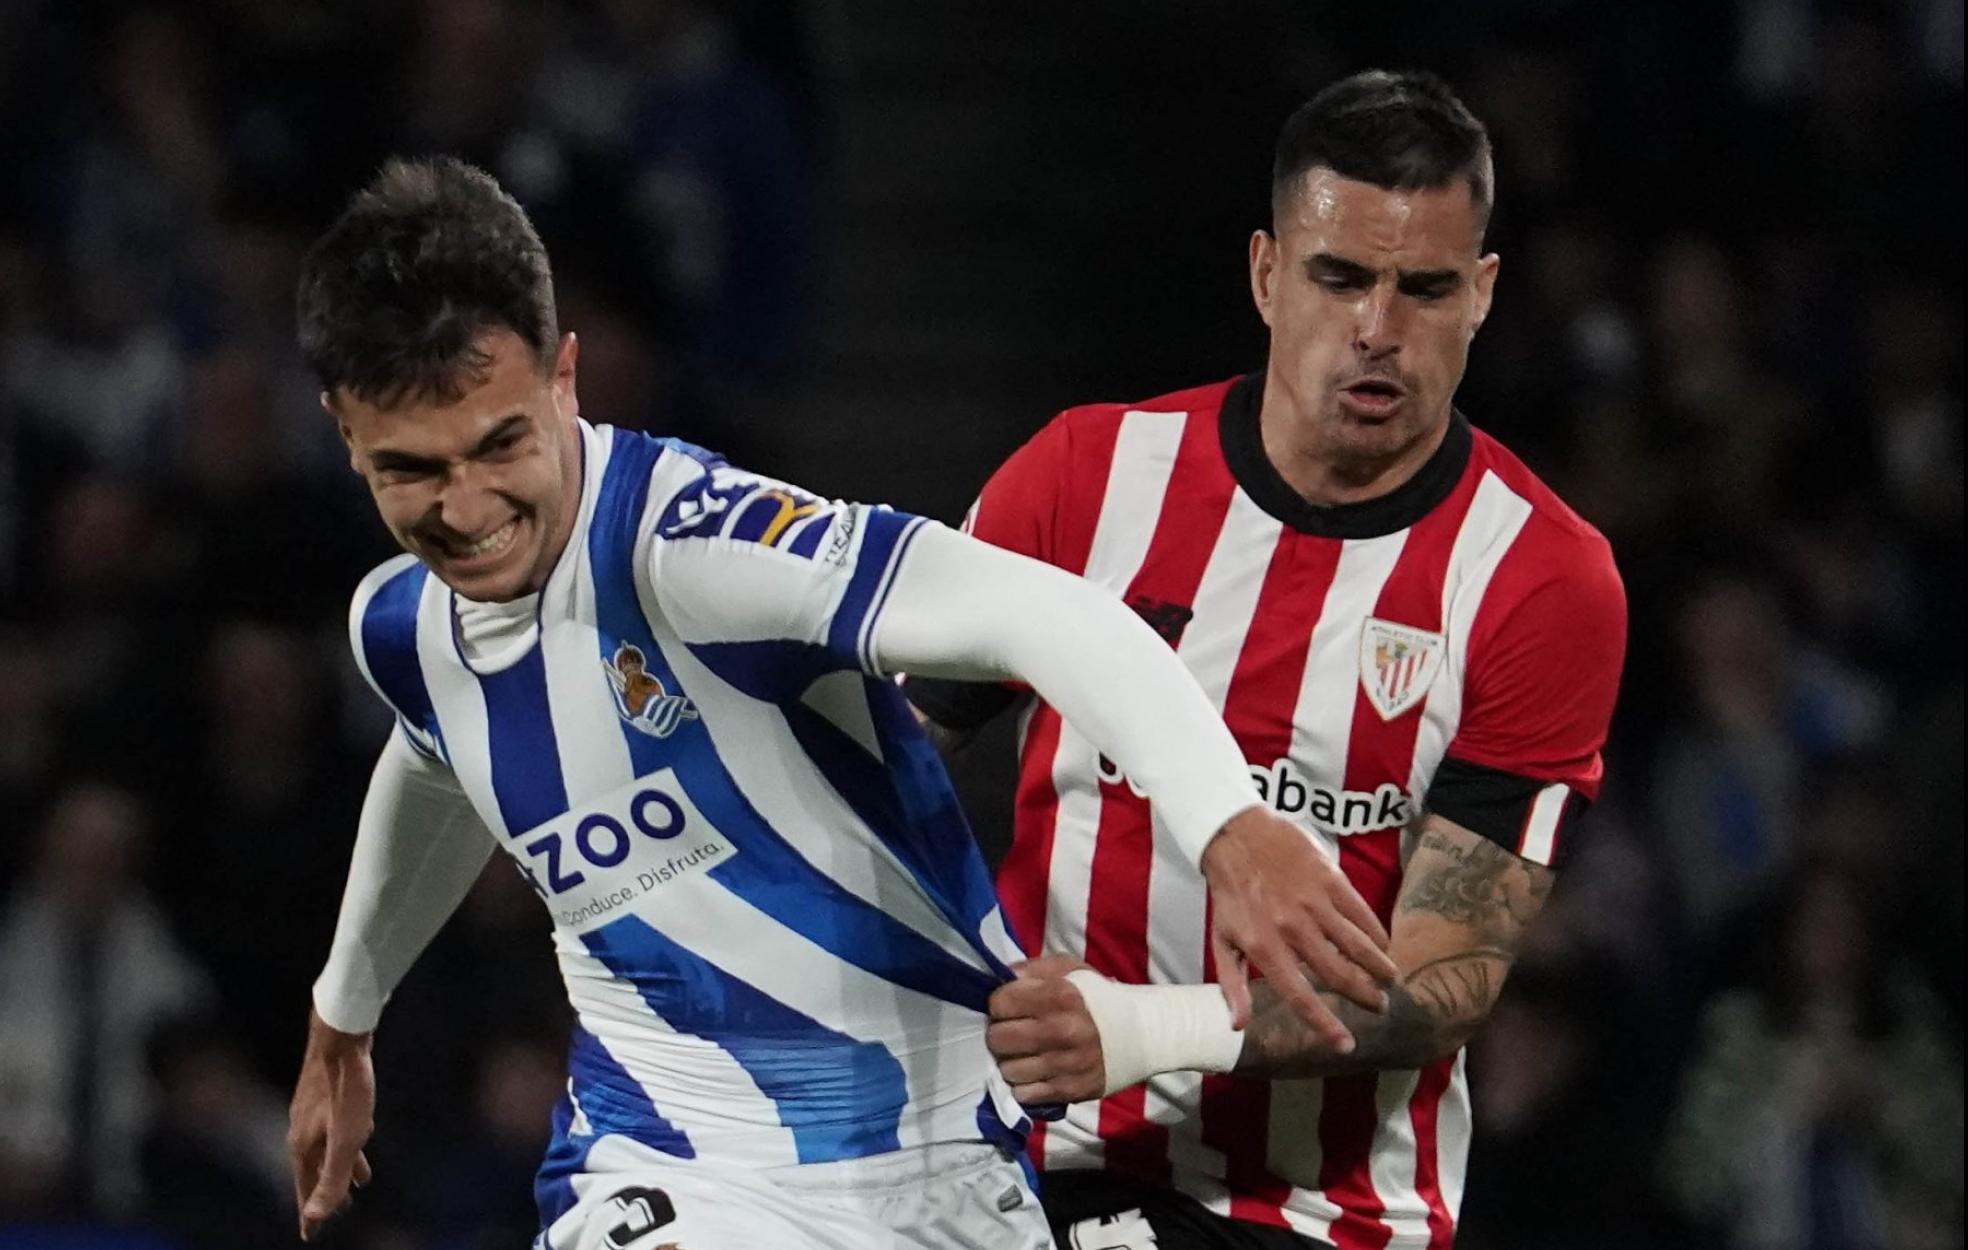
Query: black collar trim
(1243, 448)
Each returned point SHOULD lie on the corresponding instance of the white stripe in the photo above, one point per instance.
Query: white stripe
(594, 757)
(460, 705)
(1452, 1132)
(1137, 480)
(1322, 720)
(1541, 830)
(1392, 1164)
(864, 638)
(939, 1046)
(1496, 516)
(720, 1094)
(1225, 605)
(772, 770)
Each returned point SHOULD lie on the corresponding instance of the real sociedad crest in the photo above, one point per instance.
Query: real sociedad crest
(641, 697)
(1397, 665)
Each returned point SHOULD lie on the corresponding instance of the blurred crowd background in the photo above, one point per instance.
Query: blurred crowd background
(870, 246)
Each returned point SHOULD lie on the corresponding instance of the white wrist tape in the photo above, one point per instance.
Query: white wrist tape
(1149, 1029)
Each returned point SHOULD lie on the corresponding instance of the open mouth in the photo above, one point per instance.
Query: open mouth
(485, 549)
(1374, 395)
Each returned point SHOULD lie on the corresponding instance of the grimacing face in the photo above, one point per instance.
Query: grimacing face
(484, 490)
(1372, 297)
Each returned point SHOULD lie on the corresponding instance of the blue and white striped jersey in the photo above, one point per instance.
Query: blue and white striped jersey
(771, 918)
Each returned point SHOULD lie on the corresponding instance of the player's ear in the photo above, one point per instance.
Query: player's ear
(563, 375)
(1485, 287)
(1263, 271)
(341, 427)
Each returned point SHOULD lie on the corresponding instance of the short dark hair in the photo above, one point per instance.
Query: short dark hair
(1404, 131)
(424, 260)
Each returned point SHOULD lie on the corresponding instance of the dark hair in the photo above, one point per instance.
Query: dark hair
(425, 259)
(1402, 131)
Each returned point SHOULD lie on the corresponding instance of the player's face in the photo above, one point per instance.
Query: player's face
(1372, 297)
(483, 490)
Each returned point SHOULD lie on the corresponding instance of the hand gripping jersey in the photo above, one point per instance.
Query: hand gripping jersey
(1452, 646)
(772, 921)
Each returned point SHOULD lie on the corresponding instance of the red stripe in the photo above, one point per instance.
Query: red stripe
(1186, 532)
(1259, 706)
(1423, 1112)
(1379, 751)
(1023, 873)
(1086, 460)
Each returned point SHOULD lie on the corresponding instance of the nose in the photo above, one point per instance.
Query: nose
(466, 505)
(1378, 332)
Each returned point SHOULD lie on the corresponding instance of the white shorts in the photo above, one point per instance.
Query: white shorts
(957, 1196)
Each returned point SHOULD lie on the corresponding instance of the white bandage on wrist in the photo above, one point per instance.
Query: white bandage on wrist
(1149, 1029)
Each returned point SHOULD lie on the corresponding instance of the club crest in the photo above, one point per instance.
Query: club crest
(640, 696)
(1397, 665)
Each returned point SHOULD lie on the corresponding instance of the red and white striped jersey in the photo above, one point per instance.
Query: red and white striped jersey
(1454, 645)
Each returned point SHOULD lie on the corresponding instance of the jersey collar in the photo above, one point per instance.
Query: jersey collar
(1243, 448)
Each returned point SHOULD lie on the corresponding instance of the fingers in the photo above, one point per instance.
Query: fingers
(1370, 948)
(1047, 967)
(331, 1188)
(1282, 970)
(1341, 975)
(1026, 998)
(306, 1156)
(363, 1174)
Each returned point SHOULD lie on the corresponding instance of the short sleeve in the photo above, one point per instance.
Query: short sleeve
(1017, 510)
(1544, 664)
(775, 586)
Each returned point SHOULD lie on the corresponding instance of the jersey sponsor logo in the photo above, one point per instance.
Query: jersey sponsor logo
(1290, 793)
(784, 508)
(589, 865)
(1397, 665)
(641, 699)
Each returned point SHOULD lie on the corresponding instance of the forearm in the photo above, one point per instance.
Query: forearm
(1464, 907)
(963, 609)
(1431, 1012)
(418, 849)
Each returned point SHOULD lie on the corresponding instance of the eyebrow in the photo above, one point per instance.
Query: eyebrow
(1353, 271)
(390, 458)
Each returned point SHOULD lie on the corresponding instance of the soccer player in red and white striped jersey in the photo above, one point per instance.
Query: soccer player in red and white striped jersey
(1416, 644)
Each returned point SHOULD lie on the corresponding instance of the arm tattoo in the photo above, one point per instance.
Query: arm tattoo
(1472, 901)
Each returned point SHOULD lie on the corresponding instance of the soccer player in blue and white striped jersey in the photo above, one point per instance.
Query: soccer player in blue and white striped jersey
(659, 683)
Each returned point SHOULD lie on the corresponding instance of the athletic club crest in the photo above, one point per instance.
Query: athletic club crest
(1397, 665)
(641, 697)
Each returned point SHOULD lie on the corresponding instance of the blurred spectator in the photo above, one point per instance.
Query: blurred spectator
(1763, 706)
(87, 967)
(482, 1195)
(1823, 1109)
(215, 1160)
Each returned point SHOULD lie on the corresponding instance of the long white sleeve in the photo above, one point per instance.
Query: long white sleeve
(964, 609)
(418, 849)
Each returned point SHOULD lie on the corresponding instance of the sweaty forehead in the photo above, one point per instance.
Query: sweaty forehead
(1427, 228)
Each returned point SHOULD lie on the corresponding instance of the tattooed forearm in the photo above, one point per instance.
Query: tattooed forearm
(1472, 882)
(1464, 905)
(1431, 1012)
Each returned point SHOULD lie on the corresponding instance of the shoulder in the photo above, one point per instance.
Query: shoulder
(1088, 425)
(1557, 555)
(383, 610)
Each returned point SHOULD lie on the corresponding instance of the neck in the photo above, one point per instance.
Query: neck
(1326, 476)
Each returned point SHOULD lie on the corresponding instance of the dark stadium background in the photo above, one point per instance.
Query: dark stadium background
(870, 246)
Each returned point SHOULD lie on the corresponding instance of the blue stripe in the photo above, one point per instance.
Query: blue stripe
(882, 529)
(615, 1102)
(389, 647)
(772, 670)
(525, 756)
(1009, 1138)
(842, 1099)
(811, 530)
(911, 806)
